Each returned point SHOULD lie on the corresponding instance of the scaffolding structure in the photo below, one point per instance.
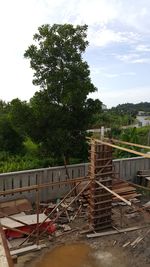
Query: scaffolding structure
(100, 170)
(98, 182)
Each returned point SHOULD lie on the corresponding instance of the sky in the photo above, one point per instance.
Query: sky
(118, 53)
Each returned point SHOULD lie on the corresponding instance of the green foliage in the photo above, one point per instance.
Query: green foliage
(132, 135)
(58, 64)
(31, 148)
(111, 119)
(61, 109)
(3, 108)
(53, 124)
(10, 163)
(130, 108)
(21, 116)
(10, 140)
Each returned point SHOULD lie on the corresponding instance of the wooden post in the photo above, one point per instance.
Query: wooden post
(100, 202)
(37, 210)
(5, 257)
(102, 133)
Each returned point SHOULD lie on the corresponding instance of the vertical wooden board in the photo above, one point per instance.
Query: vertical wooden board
(133, 170)
(66, 187)
(70, 168)
(138, 166)
(74, 173)
(24, 182)
(33, 176)
(128, 174)
(86, 167)
(116, 165)
(129, 170)
(56, 191)
(8, 182)
(2, 188)
(126, 169)
(122, 169)
(16, 184)
(45, 177)
(146, 164)
(39, 179)
(81, 168)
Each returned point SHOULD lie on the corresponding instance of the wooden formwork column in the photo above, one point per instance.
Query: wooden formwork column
(101, 170)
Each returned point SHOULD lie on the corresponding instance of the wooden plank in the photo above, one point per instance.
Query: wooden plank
(12, 218)
(123, 148)
(113, 232)
(140, 186)
(26, 249)
(5, 258)
(129, 143)
(27, 219)
(35, 187)
(129, 196)
(115, 194)
(124, 189)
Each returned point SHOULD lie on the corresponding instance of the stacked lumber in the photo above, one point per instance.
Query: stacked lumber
(124, 189)
(120, 187)
(143, 178)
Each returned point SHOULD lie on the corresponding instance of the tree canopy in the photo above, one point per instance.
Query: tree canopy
(61, 108)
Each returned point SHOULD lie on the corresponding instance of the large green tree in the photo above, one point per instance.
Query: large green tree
(61, 107)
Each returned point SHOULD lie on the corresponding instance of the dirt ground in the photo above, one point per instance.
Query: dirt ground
(116, 244)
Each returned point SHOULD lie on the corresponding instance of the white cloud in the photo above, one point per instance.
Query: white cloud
(143, 48)
(115, 75)
(107, 36)
(132, 58)
(135, 14)
(110, 21)
(103, 72)
(95, 11)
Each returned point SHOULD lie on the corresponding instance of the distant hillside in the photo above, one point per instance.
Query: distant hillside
(132, 108)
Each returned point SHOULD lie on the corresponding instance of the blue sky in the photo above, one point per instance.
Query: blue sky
(118, 52)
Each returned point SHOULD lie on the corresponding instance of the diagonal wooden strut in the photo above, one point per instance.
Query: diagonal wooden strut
(114, 193)
(123, 148)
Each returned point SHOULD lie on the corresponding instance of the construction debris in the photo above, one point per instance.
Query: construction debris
(114, 232)
(124, 189)
(24, 224)
(134, 243)
(93, 198)
(20, 251)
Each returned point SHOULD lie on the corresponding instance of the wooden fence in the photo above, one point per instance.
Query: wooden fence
(126, 169)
